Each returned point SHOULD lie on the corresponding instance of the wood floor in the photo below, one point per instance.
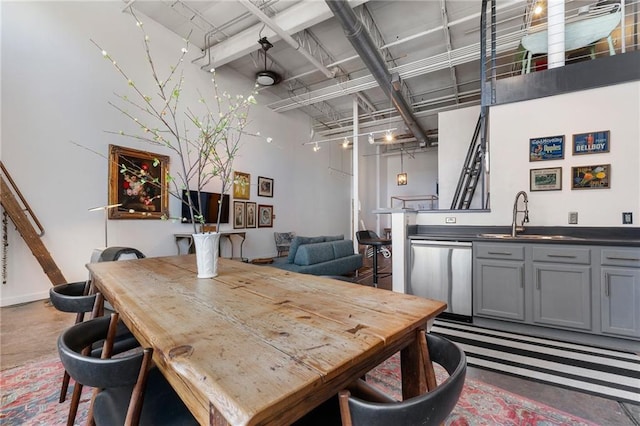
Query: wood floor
(29, 332)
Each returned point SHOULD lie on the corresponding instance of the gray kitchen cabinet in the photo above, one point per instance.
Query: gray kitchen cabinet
(562, 286)
(499, 281)
(620, 291)
(562, 295)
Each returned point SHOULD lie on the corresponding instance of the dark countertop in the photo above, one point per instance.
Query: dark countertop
(609, 236)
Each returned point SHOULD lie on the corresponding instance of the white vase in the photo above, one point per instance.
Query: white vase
(206, 245)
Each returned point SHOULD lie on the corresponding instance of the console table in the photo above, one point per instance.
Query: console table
(224, 234)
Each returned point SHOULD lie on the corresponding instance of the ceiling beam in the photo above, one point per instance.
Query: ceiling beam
(296, 18)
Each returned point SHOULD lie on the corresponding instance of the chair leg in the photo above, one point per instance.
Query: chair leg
(345, 414)
(65, 387)
(107, 349)
(137, 396)
(75, 401)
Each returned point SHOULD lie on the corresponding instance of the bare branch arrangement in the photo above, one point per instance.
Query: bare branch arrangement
(205, 144)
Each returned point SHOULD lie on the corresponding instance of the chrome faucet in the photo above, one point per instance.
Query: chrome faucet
(514, 228)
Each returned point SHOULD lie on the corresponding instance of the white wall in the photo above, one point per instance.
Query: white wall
(613, 108)
(55, 88)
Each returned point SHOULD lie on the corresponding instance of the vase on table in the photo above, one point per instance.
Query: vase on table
(206, 245)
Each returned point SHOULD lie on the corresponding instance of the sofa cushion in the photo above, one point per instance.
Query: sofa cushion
(297, 242)
(310, 254)
(333, 237)
(342, 248)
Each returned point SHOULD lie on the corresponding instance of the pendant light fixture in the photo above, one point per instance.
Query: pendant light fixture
(266, 77)
(401, 178)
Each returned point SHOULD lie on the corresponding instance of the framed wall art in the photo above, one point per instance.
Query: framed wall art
(265, 216)
(591, 177)
(265, 186)
(546, 148)
(591, 143)
(238, 214)
(137, 182)
(250, 214)
(545, 179)
(241, 185)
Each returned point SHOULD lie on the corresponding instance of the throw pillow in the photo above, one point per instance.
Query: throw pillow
(334, 237)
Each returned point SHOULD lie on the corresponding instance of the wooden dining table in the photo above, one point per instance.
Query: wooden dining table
(260, 345)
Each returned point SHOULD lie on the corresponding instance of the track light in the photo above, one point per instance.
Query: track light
(370, 139)
(316, 148)
(388, 136)
(345, 143)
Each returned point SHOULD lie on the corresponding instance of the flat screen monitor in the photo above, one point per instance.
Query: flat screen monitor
(209, 204)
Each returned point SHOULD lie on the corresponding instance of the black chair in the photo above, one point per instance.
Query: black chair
(430, 408)
(73, 298)
(120, 381)
(364, 405)
(370, 238)
(115, 253)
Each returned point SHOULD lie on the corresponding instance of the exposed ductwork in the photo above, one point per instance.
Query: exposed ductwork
(366, 48)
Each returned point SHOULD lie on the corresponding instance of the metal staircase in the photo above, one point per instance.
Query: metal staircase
(471, 171)
(17, 211)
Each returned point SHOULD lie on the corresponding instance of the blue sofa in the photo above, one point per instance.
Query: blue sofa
(324, 255)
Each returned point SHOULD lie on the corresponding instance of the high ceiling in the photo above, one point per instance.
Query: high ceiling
(433, 45)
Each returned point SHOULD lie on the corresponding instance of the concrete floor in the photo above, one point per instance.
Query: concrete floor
(28, 332)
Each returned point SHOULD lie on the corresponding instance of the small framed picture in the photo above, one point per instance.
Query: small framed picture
(591, 143)
(250, 214)
(265, 216)
(591, 177)
(545, 179)
(265, 186)
(238, 214)
(547, 148)
(241, 185)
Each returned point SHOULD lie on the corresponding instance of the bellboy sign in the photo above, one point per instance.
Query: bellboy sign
(591, 143)
(547, 148)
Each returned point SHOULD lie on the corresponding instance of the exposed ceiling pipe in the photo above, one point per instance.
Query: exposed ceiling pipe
(364, 46)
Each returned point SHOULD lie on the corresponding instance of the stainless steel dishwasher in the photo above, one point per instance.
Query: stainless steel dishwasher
(442, 270)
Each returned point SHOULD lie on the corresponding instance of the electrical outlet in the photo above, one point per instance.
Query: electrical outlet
(627, 218)
(449, 220)
(573, 218)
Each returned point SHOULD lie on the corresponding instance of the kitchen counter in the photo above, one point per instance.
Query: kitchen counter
(609, 236)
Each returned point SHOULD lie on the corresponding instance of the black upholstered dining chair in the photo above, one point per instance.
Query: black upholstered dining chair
(75, 298)
(361, 404)
(129, 390)
(430, 408)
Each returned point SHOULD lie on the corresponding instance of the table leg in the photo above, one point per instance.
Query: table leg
(412, 369)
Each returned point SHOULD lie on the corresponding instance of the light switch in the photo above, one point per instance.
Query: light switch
(627, 218)
(573, 218)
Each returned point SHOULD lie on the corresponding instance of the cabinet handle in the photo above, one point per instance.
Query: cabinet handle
(499, 252)
(564, 256)
(633, 259)
(607, 290)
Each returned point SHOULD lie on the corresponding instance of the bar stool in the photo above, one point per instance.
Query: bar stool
(370, 238)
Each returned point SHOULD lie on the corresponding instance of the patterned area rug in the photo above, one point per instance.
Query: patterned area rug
(29, 396)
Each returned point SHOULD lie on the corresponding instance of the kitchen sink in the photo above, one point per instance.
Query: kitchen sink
(528, 237)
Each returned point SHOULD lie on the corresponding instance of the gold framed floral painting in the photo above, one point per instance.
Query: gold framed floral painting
(137, 184)
(241, 185)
